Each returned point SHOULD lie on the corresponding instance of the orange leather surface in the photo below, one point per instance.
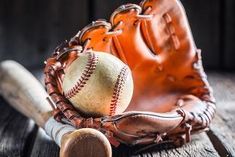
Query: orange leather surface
(160, 52)
(171, 93)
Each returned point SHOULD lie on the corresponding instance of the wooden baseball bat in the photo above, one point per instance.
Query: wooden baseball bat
(25, 93)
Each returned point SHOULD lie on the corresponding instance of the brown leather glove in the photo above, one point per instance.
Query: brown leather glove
(172, 97)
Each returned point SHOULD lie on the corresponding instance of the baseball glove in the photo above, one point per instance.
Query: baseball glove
(172, 97)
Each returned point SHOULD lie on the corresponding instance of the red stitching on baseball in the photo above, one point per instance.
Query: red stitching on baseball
(118, 90)
(89, 69)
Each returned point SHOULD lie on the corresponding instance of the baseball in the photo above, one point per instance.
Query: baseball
(98, 84)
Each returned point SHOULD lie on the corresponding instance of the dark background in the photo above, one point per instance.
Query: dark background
(31, 29)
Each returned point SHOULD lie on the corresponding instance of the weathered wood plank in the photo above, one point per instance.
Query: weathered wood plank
(224, 88)
(199, 147)
(44, 146)
(222, 137)
(17, 133)
(204, 18)
(222, 132)
(1, 27)
(104, 8)
(229, 34)
(72, 16)
(30, 30)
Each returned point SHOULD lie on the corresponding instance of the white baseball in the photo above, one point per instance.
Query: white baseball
(98, 84)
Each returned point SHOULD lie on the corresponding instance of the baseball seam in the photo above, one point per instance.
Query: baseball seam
(86, 74)
(115, 101)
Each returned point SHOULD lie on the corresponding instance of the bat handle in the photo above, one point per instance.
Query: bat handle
(85, 142)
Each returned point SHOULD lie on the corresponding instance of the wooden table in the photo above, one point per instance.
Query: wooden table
(19, 136)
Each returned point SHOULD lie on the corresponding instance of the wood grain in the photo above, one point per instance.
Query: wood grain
(222, 137)
(204, 19)
(222, 132)
(199, 147)
(229, 33)
(31, 30)
(44, 146)
(17, 133)
(37, 27)
(104, 8)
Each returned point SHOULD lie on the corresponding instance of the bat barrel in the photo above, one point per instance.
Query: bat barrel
(24, 92)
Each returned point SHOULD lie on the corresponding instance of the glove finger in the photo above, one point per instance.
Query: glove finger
(130, 42)
(168, 31)
(94, 36)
